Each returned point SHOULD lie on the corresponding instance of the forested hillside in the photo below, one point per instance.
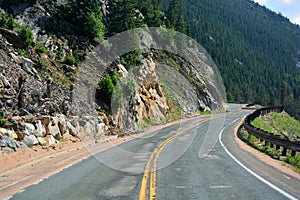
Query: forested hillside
(256, 50)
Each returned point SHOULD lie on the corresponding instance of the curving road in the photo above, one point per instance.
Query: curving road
(195, 159)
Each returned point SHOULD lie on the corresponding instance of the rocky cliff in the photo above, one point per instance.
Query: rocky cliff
(41, 106)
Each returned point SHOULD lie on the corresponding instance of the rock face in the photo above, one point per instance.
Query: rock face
(150, 102)
(146, 103)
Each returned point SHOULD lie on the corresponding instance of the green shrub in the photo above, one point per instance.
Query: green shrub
(40, 48)
(8, 22)
(22, 52)
(70, 59)
(11, 24)
(2, 120)
(86, 16)
(93, 25)
(106, 88)
(131, 59)
(27, 36)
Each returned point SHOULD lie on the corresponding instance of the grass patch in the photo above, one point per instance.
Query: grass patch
(62, 80)
(174, 112)
(294, 161)
(147, 123)
(42, 62)
(278, 124)
(260, 123)
(207, 112)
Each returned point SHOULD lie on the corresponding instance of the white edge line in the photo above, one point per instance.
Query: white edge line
(289, 196)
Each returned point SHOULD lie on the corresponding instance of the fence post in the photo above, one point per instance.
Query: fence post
(293, 153)
(71, 92)
(266, 143)
(284, 151)
(22, 81)
(49, 81)
(261, 140)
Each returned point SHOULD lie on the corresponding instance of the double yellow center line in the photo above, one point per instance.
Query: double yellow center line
(153, 160)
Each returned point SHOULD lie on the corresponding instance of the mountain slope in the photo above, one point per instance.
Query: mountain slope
(255, 49)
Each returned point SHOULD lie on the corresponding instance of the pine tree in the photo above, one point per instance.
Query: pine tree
(151, 10)
(86, 15)
(175, 15)
(123, 15)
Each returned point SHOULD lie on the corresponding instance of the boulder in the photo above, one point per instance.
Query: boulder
(54, 131)
(62, 124)
(22, 145)
(20, 135)
(27, 66)
(30, 140)
(2, 142)
(9, 143)
(12, 134)
(40, 129)
(6, 150)
(12, 37)
(55, 120)
(72, 129)
(16, 118)
(82, 122)
(29, 129)
(122, 70)
(46, 120)
(5, 82)
(3, 131)
(9, 102)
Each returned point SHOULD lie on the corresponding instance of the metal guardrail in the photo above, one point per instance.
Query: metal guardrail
(278, 140)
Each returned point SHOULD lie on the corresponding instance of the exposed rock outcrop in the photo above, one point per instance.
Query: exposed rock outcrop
(145, 103)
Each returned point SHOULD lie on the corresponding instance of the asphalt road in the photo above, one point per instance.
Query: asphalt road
(196, 159)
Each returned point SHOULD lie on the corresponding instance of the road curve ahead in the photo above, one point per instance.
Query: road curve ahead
(195, 159)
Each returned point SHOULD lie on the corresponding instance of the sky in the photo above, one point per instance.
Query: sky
(288, 8)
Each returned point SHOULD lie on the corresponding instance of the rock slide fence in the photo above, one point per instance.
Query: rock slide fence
(275, 140)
